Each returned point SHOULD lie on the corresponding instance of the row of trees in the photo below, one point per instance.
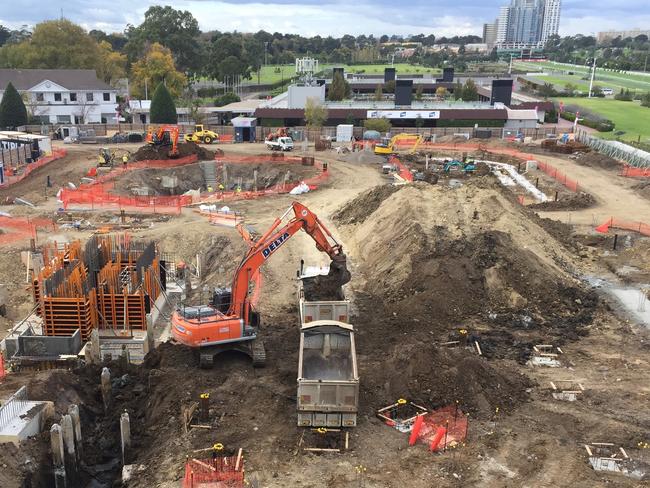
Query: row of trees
(165, 30)
(616, 54)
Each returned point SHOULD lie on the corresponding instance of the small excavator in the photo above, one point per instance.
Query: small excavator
(165, 135)
(230, 321)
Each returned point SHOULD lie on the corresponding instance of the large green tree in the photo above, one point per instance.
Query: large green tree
(470, 91)
(340, 89)
(12, 109)
(55, 44)
(163, 109)
(177, 30)
(227, 58)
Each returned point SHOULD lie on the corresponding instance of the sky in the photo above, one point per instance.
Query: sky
(329, 17)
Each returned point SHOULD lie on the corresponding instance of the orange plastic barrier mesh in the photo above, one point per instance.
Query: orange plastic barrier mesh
(219, 472)
(16, 229)
(29, 168)
(226, 138)
(2, 366)
(94, 197)
(442, 428)
(640, 227)
(402, 170)
(550, 170)
(559, 176)
(632, 172)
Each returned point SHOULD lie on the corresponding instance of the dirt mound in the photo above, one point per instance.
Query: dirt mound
(151, 151)
(365, 204)
(432, 262)
(429, 375)
(568, 201)
(643, 189)
(597, 160)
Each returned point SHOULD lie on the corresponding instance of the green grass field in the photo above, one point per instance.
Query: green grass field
(559, 76)
(275, 73)
(629, 117)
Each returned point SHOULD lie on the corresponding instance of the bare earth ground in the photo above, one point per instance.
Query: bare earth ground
(423, 263)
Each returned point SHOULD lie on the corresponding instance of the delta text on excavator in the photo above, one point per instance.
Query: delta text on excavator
(230, 321)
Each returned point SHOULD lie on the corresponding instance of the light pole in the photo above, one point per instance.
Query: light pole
(593, 74)
(266, 53)
(645, 66)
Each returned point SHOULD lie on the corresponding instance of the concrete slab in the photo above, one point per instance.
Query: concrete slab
(28, 420)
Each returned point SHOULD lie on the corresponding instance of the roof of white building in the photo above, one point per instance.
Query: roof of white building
(72, 79)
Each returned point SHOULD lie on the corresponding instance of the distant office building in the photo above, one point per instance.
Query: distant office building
(551, 23)
(527, 23)
(607, 35)
(490, 33)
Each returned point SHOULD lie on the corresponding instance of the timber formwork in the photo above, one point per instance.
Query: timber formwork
(110, 284)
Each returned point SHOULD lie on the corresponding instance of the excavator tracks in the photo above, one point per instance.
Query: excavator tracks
(258, 354)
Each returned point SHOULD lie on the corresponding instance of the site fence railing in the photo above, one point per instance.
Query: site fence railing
(612, 223)
(632, 172)
(561, 177)
(17, 228)
(12, 179)
(97, 197)
(13, 407)
(225, 471)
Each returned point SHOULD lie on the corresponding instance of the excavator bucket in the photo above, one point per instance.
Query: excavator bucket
(328, 287)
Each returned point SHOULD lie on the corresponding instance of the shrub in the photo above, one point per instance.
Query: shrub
(225, 99)
(380, 125)
(163, 110)
(12, 109)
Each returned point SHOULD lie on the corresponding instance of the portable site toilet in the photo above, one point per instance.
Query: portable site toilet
(245, 129)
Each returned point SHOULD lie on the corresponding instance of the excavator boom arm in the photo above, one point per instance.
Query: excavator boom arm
(273, 239)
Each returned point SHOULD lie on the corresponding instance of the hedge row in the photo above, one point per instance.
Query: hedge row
(599, 125)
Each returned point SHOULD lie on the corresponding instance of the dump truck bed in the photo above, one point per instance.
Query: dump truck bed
(311, 310)
(328, 379)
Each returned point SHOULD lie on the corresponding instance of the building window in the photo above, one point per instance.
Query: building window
(89, 97)
(63, 119)
(39, 97)
(73, 97)
(57, 97)
(107, 97)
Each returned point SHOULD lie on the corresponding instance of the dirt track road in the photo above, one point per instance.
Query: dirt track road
(612, 193)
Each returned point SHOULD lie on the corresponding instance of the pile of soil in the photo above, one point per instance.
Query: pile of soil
(597, 160)
(151, 151)
(364, 205)
(567, 201)
(643, 188)
(431, 263)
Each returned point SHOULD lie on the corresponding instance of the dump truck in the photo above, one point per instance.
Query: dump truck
(328, 379)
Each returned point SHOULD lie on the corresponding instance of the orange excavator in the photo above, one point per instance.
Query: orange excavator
(230, 321)
(165, 135)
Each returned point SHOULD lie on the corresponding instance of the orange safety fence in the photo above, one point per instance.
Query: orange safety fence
(29, 168)
(219, 472)
(145, 164)
(632, 172)
(550, 170)
(16, 229)
(402, 170)
(640, 227)
(226, 138)
(2, 366)
(558, 176)
(94, 197)
(442, 428)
